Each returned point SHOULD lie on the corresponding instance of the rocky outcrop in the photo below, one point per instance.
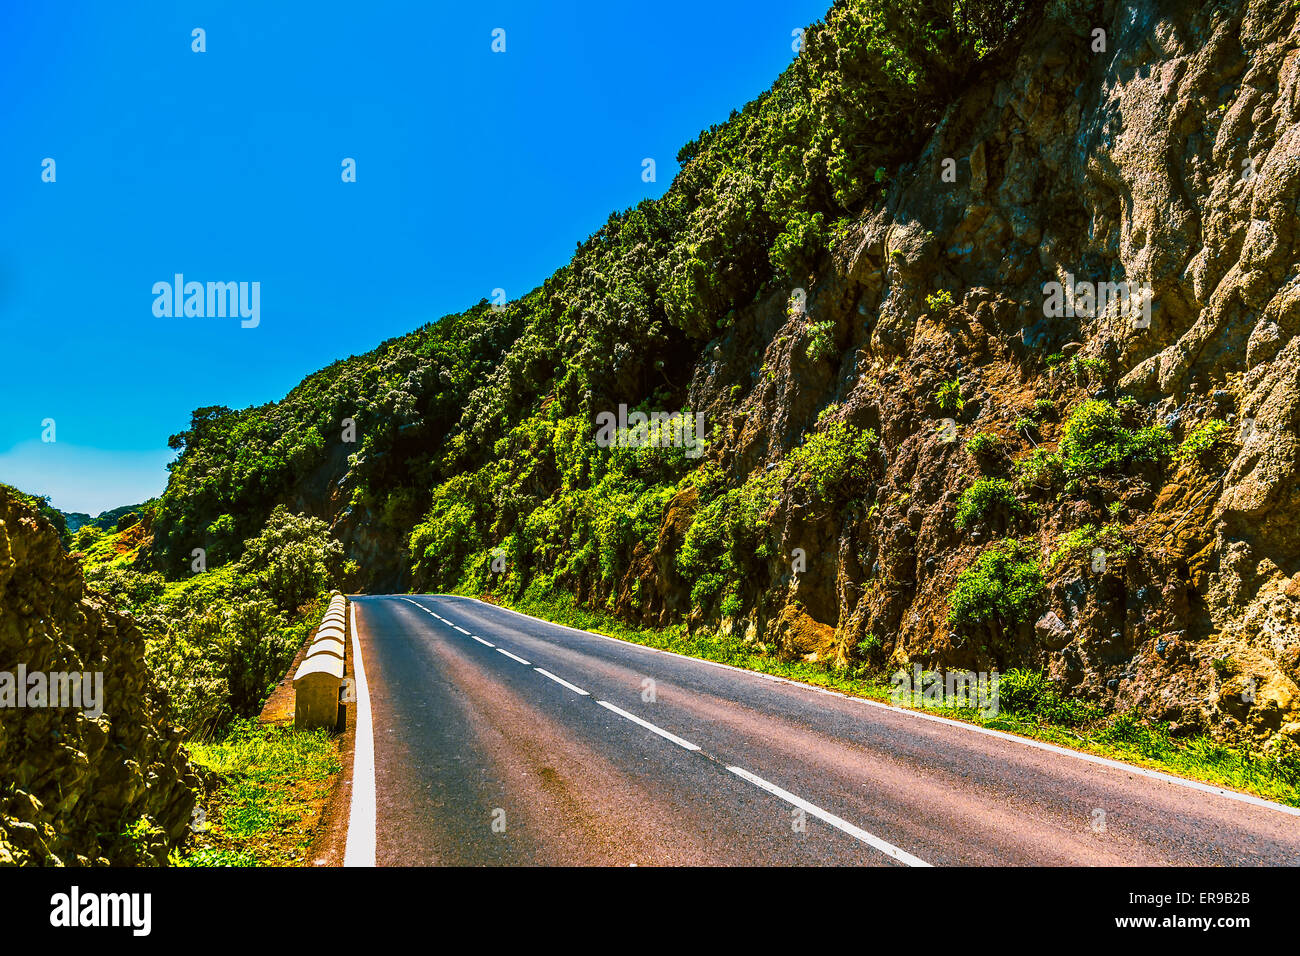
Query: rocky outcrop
(1167, 154)
(78, 786)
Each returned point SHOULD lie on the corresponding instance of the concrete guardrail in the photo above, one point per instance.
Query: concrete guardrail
(319, 678)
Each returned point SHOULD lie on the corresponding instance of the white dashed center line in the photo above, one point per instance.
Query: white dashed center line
(826, 817)
(649, 726)
(562, 681)
(513, 657)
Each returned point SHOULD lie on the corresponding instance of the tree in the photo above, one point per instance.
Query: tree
(293, 560)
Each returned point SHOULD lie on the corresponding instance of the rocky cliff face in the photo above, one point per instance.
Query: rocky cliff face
(77, 786)
(1165, 154)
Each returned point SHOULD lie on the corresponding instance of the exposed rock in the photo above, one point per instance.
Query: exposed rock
(1173, 159)
(71, 783)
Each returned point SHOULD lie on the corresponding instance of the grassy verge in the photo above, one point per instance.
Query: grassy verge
(267, 786)
(1029, 707)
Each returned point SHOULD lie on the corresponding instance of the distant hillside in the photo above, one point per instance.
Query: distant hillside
(104, 521)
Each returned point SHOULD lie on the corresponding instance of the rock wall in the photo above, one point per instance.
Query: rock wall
(77, 789)
(1170, 157)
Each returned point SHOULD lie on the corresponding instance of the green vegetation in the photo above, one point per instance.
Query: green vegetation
(1205, 439)
(940, 301)
(1087, 370)
(273, 783)
(1111, 538)
(834, 462)
(1040, 468)
(984, 444)
(1001, 588)
(1029, 695)
(1043, 408)
(948, 396)
(729, 532)
(1095, 442)
(724, 538)
(821, 340)
(985, 498)
(217, 641)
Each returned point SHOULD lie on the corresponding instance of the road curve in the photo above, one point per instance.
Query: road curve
(503, 740)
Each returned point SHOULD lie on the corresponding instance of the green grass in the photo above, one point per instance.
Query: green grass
(1029, 706)
(211, 856)
(273, 783)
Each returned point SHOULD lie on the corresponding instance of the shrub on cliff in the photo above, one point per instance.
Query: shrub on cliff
(983, 500)
(723, 540)
(835, 462)
(1001, 588)
(1094, 440)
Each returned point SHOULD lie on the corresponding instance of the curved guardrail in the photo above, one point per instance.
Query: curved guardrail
(319, 678)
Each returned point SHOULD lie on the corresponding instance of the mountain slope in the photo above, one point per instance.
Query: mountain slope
(918, 450)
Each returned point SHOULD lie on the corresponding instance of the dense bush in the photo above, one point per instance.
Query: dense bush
(835, 463)
(217, 641)
(1094, 440)
(1002, 587)
(725, 537)
(292, 561)
(983, 499)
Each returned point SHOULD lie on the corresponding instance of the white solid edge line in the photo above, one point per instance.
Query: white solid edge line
(1091, 758)
(360, 849)
(481, 641)
(826, 817)
(649, 726)
(961, 725)
(513, 657)
(561, 680)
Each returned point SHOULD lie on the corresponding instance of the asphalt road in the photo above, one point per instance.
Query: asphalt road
(500, 739)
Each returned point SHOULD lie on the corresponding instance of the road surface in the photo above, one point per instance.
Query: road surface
(503, 740)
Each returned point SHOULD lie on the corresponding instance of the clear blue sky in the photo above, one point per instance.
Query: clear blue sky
(475, 170)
